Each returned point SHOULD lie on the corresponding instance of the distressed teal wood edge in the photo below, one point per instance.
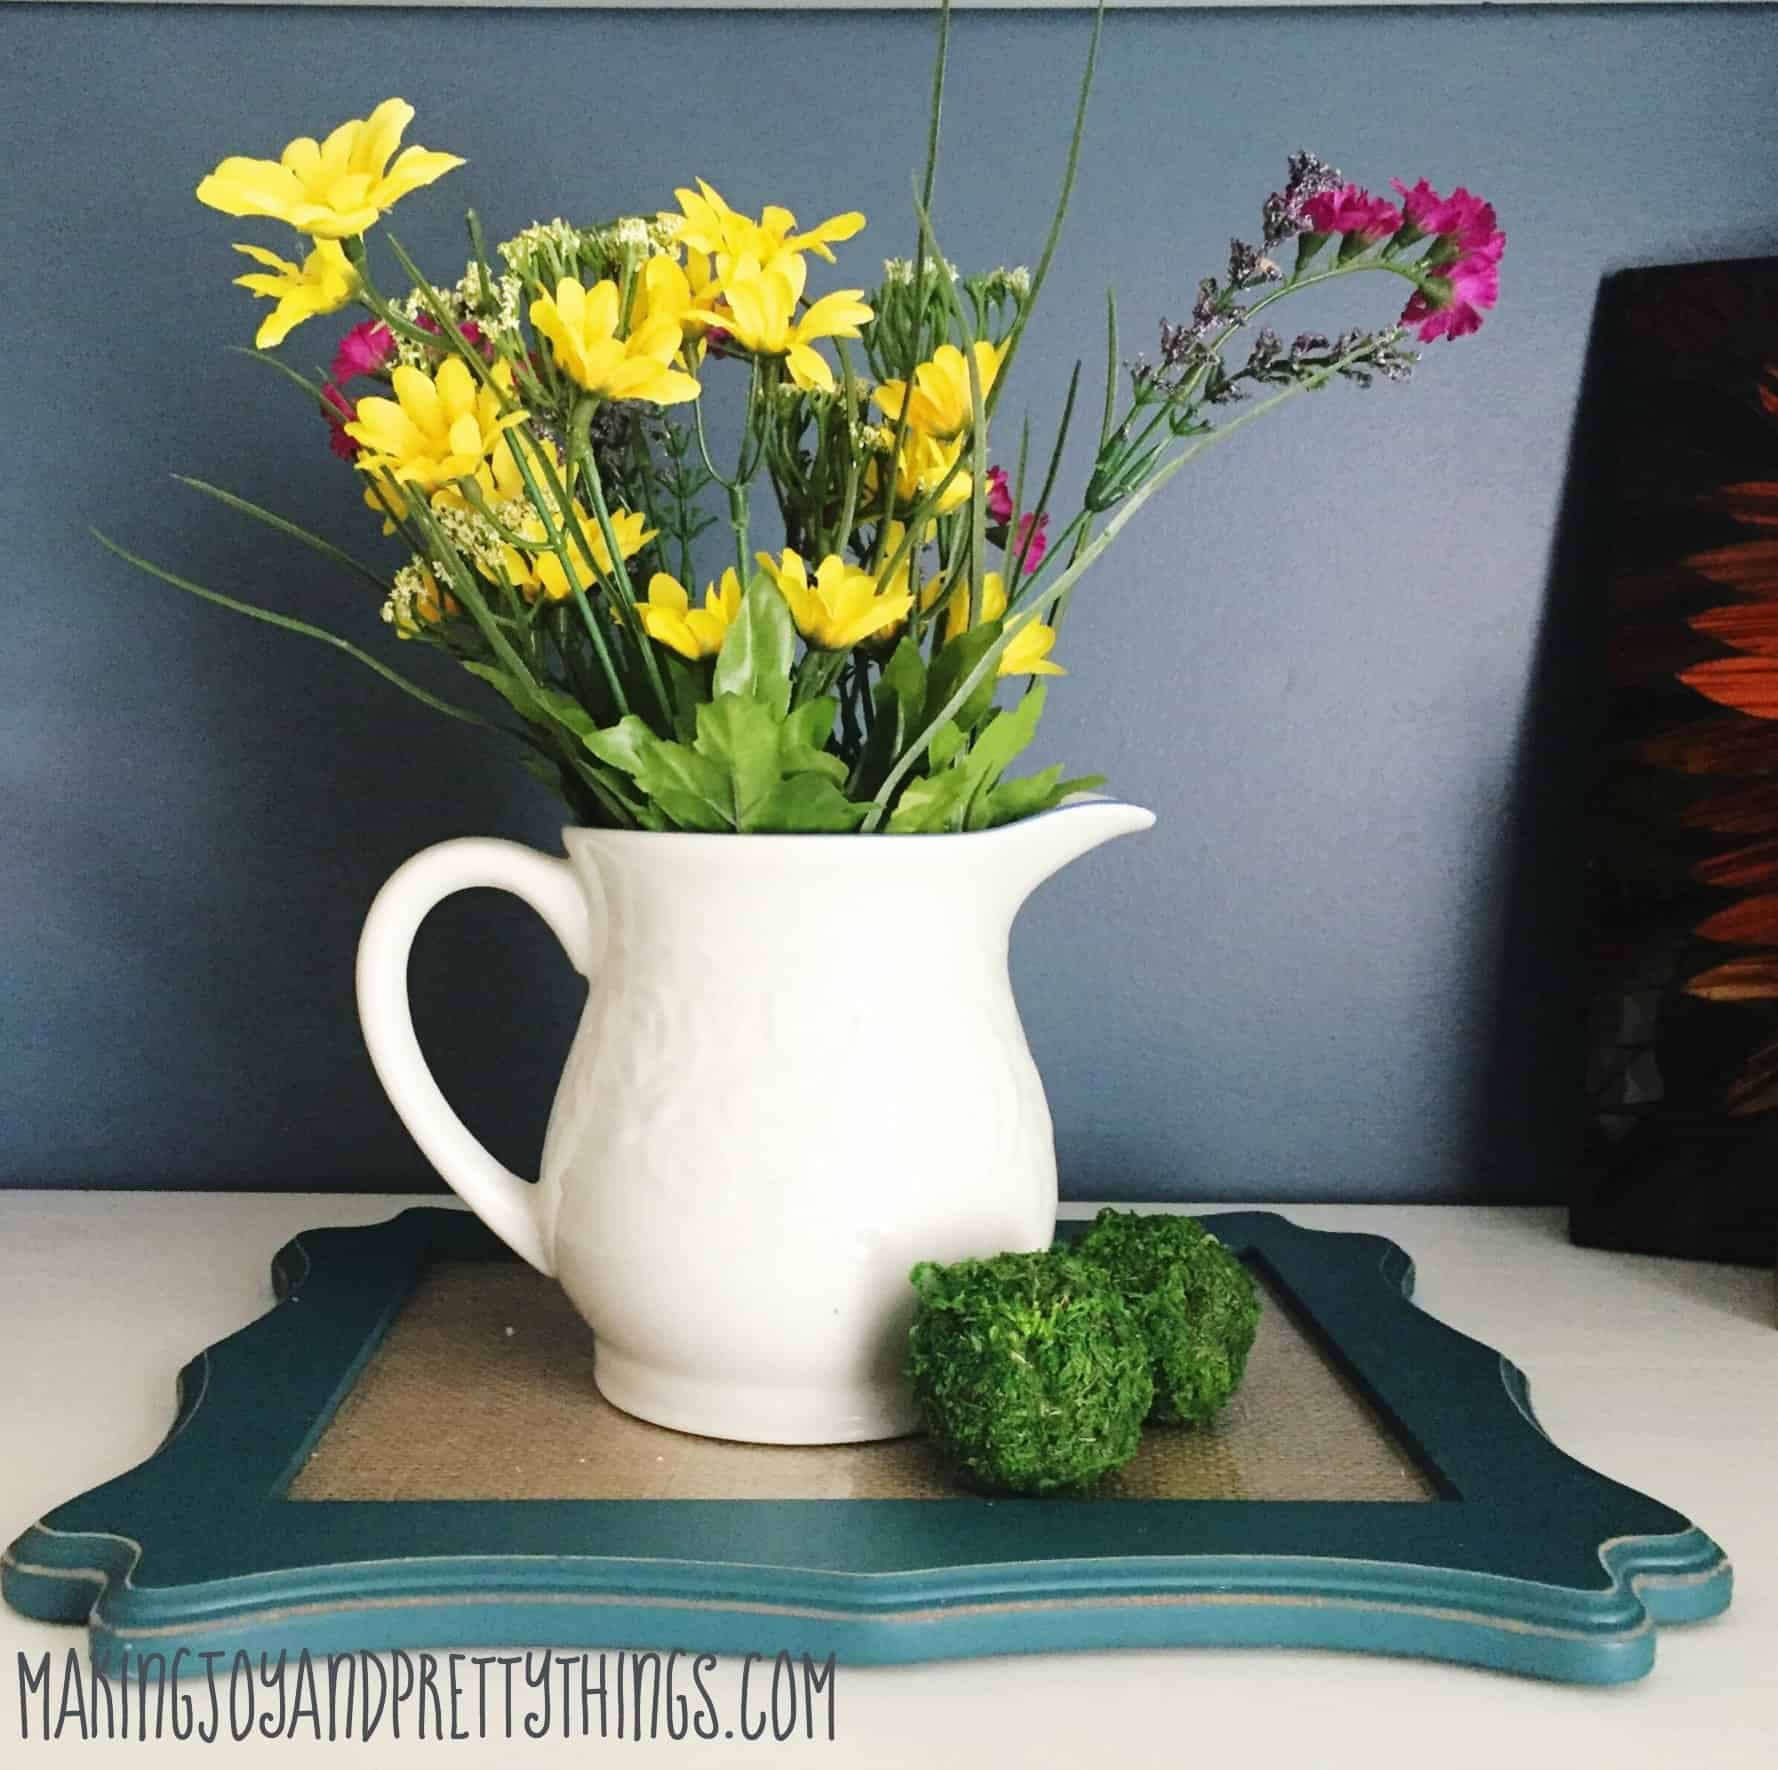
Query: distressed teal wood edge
(1571, 1573)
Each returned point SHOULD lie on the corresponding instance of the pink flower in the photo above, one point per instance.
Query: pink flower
(1352, 210)
(1465, 221)
(363, 351)
(1459, 295)
(999, 497)
(341, 410)
(1031, 544)
(472, 333)
(1031, 526)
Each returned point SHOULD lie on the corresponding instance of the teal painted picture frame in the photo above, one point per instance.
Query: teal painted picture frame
(1527, 1561)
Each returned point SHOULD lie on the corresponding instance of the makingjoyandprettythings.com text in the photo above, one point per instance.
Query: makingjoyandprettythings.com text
(453, 1696)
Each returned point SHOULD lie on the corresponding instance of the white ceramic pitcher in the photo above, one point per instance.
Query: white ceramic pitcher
(799, 1071)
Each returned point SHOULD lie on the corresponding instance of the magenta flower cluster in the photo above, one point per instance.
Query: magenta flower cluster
(1459, 277)
(1352, 210)
(368, 349)
(1032, 540)
(365, 350)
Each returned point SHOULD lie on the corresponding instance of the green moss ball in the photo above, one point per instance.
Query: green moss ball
(1030, 1370)
(1196, 1303)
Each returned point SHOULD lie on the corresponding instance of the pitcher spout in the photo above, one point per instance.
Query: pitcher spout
(1037, 847)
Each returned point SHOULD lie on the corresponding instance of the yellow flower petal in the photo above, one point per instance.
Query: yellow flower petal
(670, 629)
(580, 326)
(808, 368)
(666, 592)
(324, 282)
(331, 190)
(1028, 654)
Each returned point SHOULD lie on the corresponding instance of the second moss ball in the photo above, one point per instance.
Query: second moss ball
(1196, 1303)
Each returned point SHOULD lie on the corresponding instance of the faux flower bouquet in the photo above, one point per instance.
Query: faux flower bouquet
(535, 435)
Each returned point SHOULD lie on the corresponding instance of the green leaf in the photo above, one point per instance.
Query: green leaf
(934, 803)
(803, 738)
(959, 793)
(749, 768)
(550, 773)
(1008, 801)
(952, 666)
(566, 711)
(902, 688)
(685, 684)
(758, 649)
(624, 745)
(691, 789)
(800, 759)
(811, 725)
(807, 804)
(1008, 733)
(514, 693)
(1001, 740)
(899, 699)
(946, 745)
(738, 736)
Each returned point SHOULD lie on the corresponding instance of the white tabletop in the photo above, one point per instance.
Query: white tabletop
(1661, 1373)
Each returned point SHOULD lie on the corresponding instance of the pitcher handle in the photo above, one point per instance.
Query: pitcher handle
(510, 1206)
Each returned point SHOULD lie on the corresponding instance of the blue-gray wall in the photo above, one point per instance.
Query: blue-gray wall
(1338, 662)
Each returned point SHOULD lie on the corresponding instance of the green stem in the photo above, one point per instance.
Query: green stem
(1056, 595)
(620, 573)
(911, 530)
(1049, 482)
(1009, 571)
(1041, 274)
(854, 463)
(311, 388)
(916, 342)
(285, 527)
(935, 109)
(737, 520)
(291, 625)
(542, 506)
(1105, 422)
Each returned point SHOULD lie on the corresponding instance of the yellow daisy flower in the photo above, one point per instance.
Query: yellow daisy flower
(694, 633)
(841, 607)
(900, 582)
(436, 429)
(759, 305)
(581, 326)
(1028, 654)
(921, 469)
(498, 478)
(543, 574)
(705, 223)
(334, 189)
(939, 405)
(323, 283)
(669, 290)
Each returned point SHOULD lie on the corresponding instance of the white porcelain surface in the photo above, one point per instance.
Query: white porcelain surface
(799, 1071)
